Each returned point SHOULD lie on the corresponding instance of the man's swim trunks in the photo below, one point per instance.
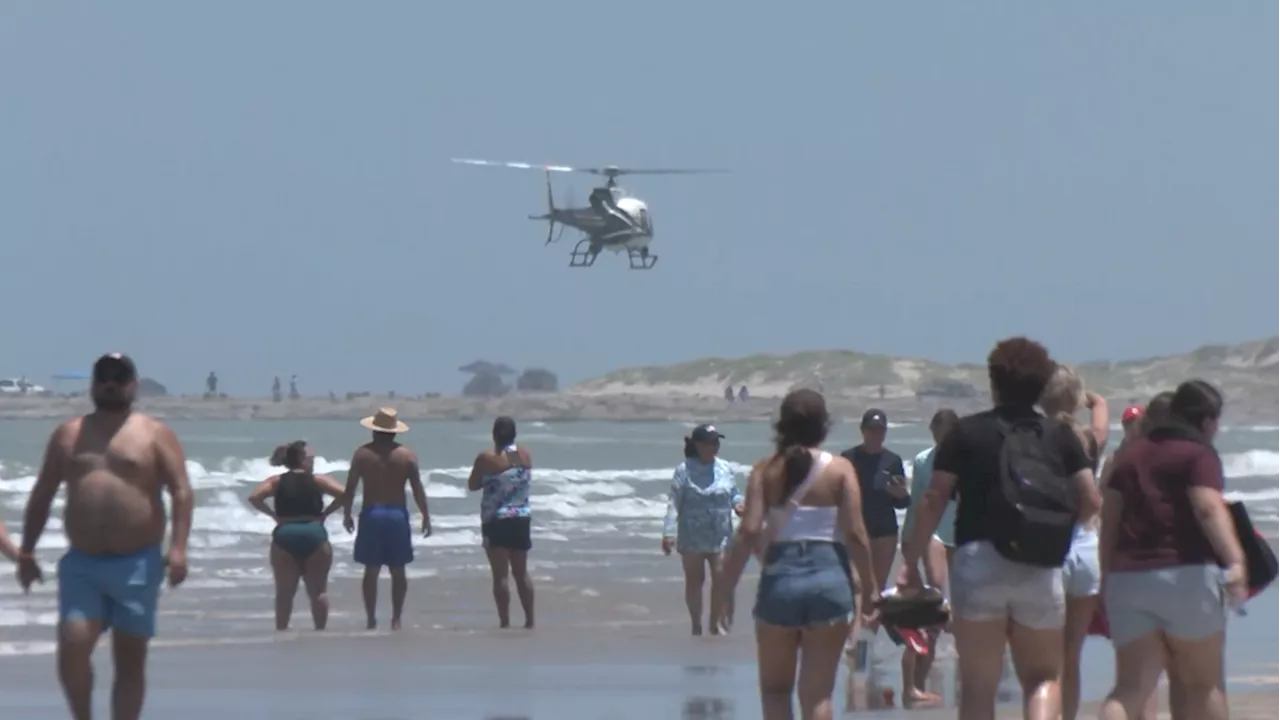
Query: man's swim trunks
(383, 536)
(121, 591)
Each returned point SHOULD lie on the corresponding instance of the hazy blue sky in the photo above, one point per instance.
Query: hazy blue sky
(264, 188)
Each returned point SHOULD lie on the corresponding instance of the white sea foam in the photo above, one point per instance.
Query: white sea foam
(567, 502)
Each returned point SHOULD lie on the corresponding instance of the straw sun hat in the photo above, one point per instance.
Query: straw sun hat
(385, 420)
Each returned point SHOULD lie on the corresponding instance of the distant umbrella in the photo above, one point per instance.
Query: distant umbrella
(72, 375)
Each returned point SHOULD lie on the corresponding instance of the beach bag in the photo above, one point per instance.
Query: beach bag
(1259, 559)
(1032, 507)
(926, 608)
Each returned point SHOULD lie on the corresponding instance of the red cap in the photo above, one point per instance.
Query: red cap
(1133, 412)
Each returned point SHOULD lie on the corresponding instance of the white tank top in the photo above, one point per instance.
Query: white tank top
(795, 522)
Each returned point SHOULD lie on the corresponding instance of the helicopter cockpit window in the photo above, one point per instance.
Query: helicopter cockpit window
(645, 222)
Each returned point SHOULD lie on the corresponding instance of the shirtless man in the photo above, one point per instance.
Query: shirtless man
(384, 538)
(115, 463)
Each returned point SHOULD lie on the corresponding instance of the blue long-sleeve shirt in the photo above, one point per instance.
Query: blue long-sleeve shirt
(700, 506)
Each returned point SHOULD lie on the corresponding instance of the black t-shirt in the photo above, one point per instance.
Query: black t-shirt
(878, 505)
(971, 452)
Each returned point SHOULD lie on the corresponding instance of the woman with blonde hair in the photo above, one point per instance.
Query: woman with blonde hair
(1081, 575)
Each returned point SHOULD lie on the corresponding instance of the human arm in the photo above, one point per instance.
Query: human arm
(266, 489)
(475, 480)
(419, 493)
(855, 534)
(919, 484)
(1210, 509)
(48, 480)
(1079, 467)
(674, 497)
(349, 492)
(948, 459)
(333, 489)
(173, 474)
(7, 547)
(748, 535)
(739, 497)
(1099, 423)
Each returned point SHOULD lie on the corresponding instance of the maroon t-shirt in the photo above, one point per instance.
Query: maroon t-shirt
(1158, 527)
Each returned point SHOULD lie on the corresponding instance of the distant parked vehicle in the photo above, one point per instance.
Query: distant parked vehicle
(20, 386)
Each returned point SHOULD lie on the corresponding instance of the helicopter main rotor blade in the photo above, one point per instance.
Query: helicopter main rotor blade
(607, 171)
(648, 171)
(514, 165)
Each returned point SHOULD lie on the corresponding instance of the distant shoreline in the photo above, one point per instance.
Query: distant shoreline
(565, 406)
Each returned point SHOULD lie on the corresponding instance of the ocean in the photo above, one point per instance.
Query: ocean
(598, 503)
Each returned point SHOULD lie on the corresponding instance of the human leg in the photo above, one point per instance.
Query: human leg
(499, 572)
(695, 576)
(286, 571)
(315, 575)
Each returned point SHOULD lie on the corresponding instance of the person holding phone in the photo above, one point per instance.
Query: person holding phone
(883, 480)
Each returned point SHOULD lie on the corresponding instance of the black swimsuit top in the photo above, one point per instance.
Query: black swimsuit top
(298, 495)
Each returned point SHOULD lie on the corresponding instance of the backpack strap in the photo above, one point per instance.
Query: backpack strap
(778, 523)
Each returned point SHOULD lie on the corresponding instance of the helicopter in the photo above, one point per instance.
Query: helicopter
(613, 219)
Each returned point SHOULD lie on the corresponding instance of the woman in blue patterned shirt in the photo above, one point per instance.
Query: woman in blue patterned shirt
(699, 524)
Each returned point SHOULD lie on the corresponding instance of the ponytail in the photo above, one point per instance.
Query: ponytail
(797, 462)
(277, 456)
(690, 449)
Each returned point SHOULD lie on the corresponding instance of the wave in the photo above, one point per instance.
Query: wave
(565, 500)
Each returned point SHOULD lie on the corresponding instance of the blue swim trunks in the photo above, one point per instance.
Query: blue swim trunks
(384, 537)
(121, 591)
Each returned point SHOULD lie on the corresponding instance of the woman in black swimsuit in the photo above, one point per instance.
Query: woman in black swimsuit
(300, 546)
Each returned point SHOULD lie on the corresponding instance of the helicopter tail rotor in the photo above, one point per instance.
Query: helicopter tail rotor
(550, 217)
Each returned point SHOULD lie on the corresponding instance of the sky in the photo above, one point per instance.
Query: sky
(265, 188)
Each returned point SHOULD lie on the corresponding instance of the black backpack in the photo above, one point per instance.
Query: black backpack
(1032, 507)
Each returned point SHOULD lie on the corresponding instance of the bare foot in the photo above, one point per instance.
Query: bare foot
(528, 624)
(917, 698)
(697, 629)
(395, 623)
(372, 624)
(504, 624)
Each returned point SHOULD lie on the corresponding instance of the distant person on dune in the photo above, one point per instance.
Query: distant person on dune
(115, 463)
(504, 474)
(7, 548)
(300, 548)
(701, 505)
(384, 537)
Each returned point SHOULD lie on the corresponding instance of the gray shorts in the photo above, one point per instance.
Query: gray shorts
(1081, 574)
(1185, 602)
(987, 586)
(805, 584)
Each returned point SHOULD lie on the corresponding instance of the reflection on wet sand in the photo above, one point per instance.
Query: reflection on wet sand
(874, 683)
(701, 708)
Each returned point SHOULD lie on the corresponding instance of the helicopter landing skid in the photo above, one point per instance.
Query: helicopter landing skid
(641, 259)
(584, 254)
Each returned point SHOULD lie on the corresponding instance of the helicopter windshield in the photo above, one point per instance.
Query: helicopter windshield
(646, 223)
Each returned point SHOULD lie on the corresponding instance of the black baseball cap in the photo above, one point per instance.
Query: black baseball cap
(705, 433)
(875, 418)
(115, 366)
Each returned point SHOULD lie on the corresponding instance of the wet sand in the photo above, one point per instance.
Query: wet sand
(489, 675)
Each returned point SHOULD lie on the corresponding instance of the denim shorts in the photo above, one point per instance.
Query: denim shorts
(805, 583)
(985, 586)
(1081, 574)
(1185, 602)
